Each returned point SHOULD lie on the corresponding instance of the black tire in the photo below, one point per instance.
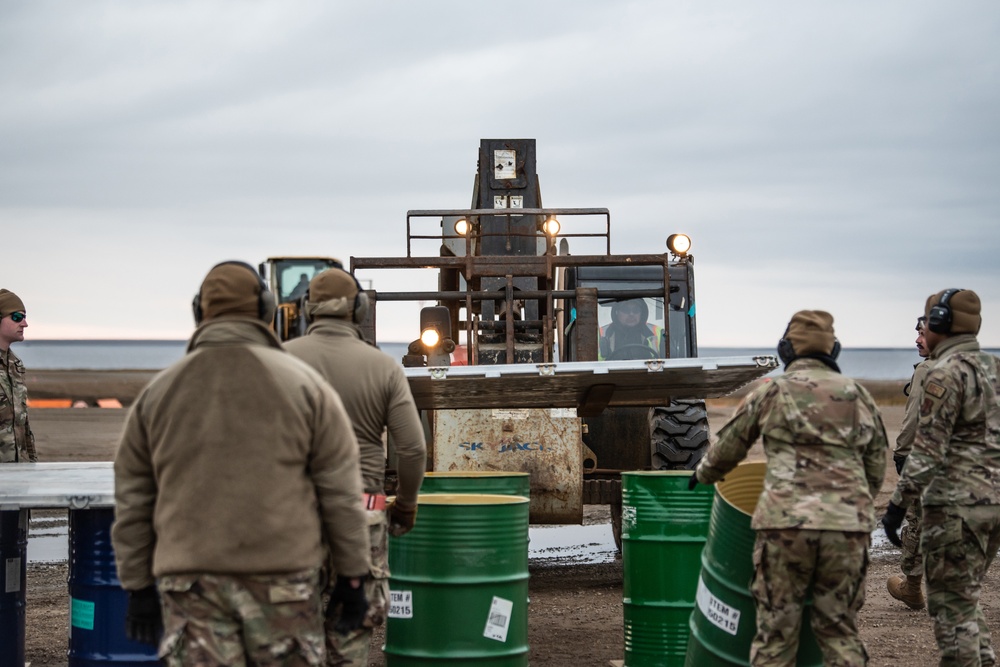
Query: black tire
(678, 434)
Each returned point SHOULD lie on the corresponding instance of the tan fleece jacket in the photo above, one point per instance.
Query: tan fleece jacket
(238, 459)
(377, 397)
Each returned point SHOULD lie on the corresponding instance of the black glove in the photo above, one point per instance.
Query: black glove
(900, 461)
(692, 481)
(891, 522)
(143, 618)
(401, 518)
(352, 601)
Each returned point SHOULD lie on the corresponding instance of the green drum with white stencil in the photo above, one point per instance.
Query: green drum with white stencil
(724, 621)
(458, 592)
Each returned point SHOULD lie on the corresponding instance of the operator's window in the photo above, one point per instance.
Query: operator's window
(630, 329)
(294, 277)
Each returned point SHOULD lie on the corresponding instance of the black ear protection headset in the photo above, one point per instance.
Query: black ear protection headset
(787, 353)
(939, 317)
(359, 309)
(265, 300)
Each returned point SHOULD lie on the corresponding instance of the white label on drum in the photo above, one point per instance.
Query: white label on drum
(400, 604)
(628, 520)
(498, 620)
(716, 611)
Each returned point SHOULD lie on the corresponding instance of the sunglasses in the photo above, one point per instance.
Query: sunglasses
(17, 317)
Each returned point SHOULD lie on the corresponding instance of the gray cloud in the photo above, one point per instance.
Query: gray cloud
(841, 155)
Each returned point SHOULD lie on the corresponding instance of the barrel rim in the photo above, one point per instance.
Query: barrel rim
(474, 473)
(469, 499)
(738, 475)
(656, 473)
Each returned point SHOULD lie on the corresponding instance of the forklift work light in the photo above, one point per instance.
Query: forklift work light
(679, 244)
(430, 337)
(551, 226)
(435, 335)
(462, 226)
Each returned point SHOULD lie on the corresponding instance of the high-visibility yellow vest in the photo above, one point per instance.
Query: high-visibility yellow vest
(651, 340)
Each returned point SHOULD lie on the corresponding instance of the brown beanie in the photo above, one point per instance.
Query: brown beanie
(332, 294)
(811, 332)
(965, 308)
(10, 303)
(230, 289)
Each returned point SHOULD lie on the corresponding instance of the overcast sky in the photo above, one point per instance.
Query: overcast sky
(838, 155)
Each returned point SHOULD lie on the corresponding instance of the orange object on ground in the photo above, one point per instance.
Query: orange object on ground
(50, 402)
(108, 403)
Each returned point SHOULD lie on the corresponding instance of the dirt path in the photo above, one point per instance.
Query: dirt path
(575, 610)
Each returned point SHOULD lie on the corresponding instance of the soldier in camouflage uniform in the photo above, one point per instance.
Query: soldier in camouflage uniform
(236, 469)
(17, 442)
(377, 397)
(906, 587)
(954, 472)
(826, 456)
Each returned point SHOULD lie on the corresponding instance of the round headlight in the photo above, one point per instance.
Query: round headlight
(551, 226)
(461, 226)
(430, 337)
(679, 244)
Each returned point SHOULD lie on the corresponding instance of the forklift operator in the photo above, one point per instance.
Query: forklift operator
(630, 336)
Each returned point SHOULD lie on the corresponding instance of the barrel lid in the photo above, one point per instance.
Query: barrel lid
(475, 473)
(469, 499)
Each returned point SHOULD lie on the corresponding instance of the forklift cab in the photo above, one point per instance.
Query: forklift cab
(633, 321)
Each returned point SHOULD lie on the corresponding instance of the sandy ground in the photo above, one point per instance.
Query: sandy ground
(575, 612)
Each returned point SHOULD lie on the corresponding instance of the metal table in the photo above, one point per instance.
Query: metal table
(97, 601)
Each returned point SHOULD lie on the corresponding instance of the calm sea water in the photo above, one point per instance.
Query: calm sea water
(864, 363)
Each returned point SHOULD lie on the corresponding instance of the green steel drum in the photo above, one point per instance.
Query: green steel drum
(724, 621)
(458, 589)
(664, 528)
(496, 482)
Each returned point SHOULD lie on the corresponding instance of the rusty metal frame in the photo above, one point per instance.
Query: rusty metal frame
(542, 266)
(474, 214)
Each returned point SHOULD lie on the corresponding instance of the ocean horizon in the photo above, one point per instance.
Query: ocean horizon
(862, 363)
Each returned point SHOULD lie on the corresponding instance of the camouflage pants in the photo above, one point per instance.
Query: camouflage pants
(352, 648)
(911, 561)
(959, 544)
(241, 620)
(789, 564)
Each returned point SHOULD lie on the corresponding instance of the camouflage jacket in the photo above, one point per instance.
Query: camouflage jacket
(956, 450)
(825, 446)
(904, 441)
(17, 442)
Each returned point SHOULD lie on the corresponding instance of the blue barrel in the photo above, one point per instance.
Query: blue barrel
(97, 601)
(13, 581)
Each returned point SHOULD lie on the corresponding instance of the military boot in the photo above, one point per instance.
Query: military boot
(907, 590)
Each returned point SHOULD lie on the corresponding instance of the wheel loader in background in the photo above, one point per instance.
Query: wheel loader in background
(288, 279)
(516, 367)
